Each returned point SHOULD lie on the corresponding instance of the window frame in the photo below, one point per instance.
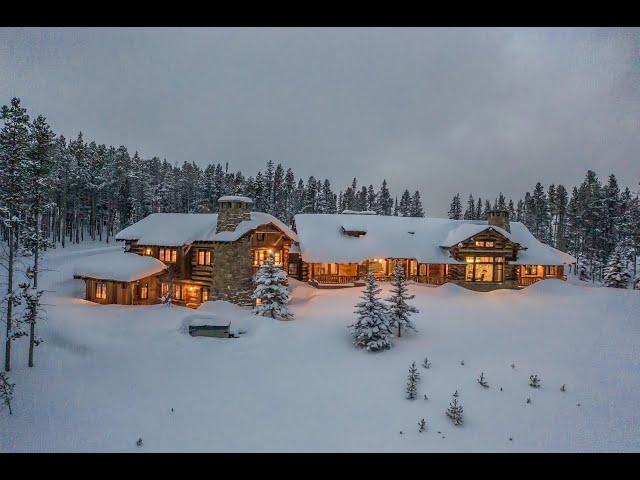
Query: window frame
(206, 257)
(101, 290)
(497, 268)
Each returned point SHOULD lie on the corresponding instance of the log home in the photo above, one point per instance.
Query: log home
(200, 256)
(339, 249)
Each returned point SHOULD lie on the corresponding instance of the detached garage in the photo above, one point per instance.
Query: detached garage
(121, 278)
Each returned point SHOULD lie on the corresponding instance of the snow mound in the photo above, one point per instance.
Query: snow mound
(551, 285)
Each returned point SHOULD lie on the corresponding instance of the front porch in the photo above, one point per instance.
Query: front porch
(353, 274)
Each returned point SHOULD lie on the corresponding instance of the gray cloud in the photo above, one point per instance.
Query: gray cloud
(441, 110)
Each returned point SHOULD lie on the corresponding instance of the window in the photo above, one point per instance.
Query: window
(164, 289)
(261, 254)
(531, 270)
(204, 257)
(101, 290)
(551, 271)
(423, 269)
(260, 237)
(483, 243)
(205, 294)
(177, 292)
(147, 251)
(484, 269)
(168, 255)
(144, 291)
(413, 267)
(293, 268)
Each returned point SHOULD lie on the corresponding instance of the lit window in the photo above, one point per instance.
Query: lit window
(479, 243)
(144, 291)
(177, 292)
(531, 270)
(260, 255)
(260, 237)
(168, 255)
(147, 251)
(484, 269)
(488, 244)
(101, 290)
(293, 268)
(551, 271)
(204, 257)
(164, 288)
(205, 294)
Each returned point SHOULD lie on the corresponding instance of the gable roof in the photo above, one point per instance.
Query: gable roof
(177, 229)
(425, 239)
(118, 266)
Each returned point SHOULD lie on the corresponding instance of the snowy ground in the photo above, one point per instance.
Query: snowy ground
(107, 375)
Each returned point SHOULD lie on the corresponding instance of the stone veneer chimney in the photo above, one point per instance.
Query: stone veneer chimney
(499, 218)
(231, 211)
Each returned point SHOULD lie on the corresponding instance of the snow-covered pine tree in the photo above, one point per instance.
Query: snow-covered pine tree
(454, 412)
(455, 209)
(426, 363)
(14, 145)
(412, 382)
(371, 330)
(400, 310)
(271, 293)
(6, 391)
(616, 273)
(422, 425)
(482, 381)
(470, 212)
(534, 381)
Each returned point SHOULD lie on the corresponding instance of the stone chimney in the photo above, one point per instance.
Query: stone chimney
(231, 211)
(499, 218)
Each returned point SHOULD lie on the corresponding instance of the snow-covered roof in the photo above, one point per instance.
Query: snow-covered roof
(235, 198)
(464, 231)
(356, 212)
(257, 219)
(209, 319)
(118, 266)
(176, 229)
(426, 239)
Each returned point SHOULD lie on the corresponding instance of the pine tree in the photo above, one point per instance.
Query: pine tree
(455, 210)
(426, 363)
(470, 212)
(400, 310)
(616, 274)
(422, 426)
(454, 412)
(404, 208)
(6, 391)
(416, 209)
(482, 381)
(385, 202)
(271, 293)
(534, 381)
(371, 330)
(412, 382)
(14, 149)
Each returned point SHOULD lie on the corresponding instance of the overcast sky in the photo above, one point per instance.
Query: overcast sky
(440, 110)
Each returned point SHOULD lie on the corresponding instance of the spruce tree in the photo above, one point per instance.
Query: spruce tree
(455, 209)
(416, 209)
(6, 391)
(371, 329)
(412, 382)
(616, 273)
(400, 310)
(470, 212)
(271, 293)
(14, 150)
(454, 412)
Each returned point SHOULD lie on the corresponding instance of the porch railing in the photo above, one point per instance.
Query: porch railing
(336, 279)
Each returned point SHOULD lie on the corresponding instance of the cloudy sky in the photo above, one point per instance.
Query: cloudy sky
(440, 110)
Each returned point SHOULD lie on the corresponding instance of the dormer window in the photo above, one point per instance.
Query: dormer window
(483, 243)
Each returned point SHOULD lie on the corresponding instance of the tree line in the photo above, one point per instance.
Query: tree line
(596, 221)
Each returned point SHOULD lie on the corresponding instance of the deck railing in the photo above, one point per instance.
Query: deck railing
(343, 279)
(337, 279)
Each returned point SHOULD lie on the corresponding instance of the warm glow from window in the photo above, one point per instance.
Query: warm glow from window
(204, 257)
(177, 292)
(147, 251)
(261, 254)
(144, 291)
(484, 269)
(168, 255)
(101, 290)
(205, 294)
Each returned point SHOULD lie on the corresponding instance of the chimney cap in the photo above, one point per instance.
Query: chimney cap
(235, 198)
